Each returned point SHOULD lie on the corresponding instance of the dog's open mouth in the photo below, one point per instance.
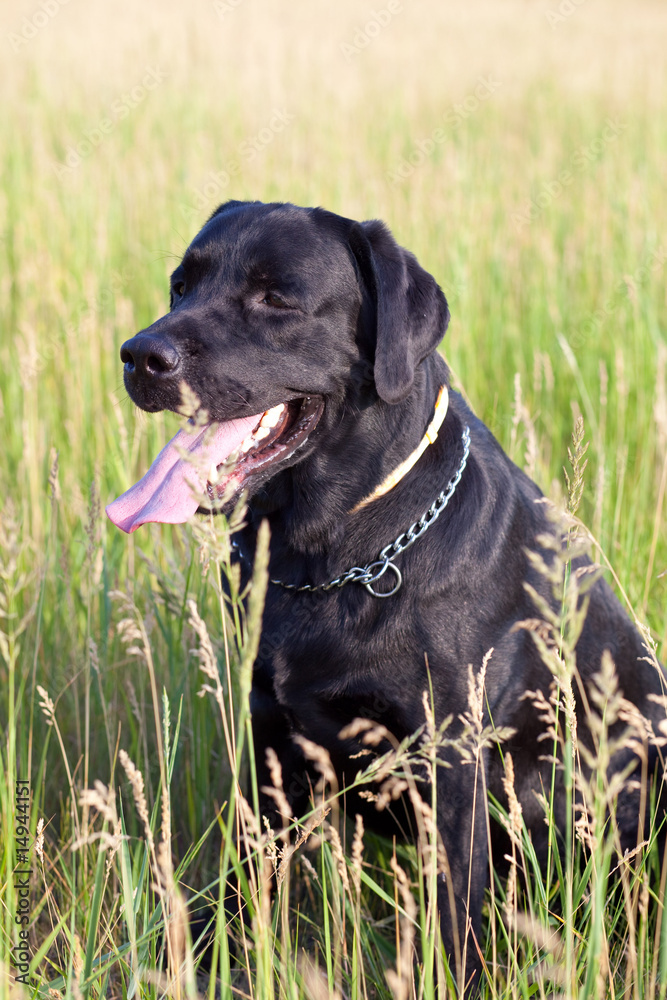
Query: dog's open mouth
(280, 431)
(204, 469)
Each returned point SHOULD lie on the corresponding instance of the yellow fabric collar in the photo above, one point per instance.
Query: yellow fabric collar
(402, 470)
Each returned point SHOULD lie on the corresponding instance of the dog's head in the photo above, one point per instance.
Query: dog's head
(280, 318)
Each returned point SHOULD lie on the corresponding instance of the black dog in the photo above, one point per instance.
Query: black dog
(310, 340)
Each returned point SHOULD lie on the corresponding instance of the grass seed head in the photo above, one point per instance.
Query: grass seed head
(46, 704)
(515, 812)
(39, 840)
(136, 780)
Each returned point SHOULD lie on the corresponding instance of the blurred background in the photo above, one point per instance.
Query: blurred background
(518, 147)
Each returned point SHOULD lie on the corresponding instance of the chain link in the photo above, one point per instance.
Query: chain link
(368, 575)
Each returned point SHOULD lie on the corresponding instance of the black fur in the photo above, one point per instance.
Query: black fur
(360, 327)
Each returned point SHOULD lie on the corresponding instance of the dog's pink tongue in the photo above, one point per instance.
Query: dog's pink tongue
(168, 491)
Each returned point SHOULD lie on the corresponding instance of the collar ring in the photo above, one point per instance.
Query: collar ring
(386, 564)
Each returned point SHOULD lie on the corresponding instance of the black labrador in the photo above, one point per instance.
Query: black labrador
(310, 341)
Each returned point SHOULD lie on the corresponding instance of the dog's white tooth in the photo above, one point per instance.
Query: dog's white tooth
(246, 444)
(213, 473)
(261, 433)
(272, 416)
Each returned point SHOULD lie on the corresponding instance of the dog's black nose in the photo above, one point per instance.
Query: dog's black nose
(146, 355)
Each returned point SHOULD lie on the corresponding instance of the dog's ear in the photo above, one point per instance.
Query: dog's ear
(411, 310)
(227, 206)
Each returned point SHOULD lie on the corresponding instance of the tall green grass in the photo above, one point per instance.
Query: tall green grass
(561, 315)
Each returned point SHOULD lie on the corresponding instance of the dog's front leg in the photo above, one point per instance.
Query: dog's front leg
(293, 781)
(463, 870)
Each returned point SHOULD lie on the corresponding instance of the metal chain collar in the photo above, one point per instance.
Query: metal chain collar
(368, 575)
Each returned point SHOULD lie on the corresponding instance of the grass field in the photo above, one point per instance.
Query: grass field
(520, 150)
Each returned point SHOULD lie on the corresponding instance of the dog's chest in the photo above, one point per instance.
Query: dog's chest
(332, 660)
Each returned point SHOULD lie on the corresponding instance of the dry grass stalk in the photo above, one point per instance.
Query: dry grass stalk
(514, 826)
(271, 846)
(357, 855)
(116, 840)
(54, 484)
(522, 416)
(400, 981)
(103, 799)
(134, 701)
(249, 822)
(94, 655)
(77, 967)
(208, 664)
(46, 704)
(321, 759)
(164, 858)
(546, 940)
(578, 462)
(39, 840)
(339, 856)
(136, 780)
(93, 522)
(130, 634)
(391, 791)
(429, 732)
(374, 732)
(315, 981)
(476, 693)
(514, 822)
(276, 791)
(190, 406)
(259, 872)
(179, 953)
(314, 821)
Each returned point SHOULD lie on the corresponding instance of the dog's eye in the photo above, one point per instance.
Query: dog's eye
(176, 292)
(274, 300)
